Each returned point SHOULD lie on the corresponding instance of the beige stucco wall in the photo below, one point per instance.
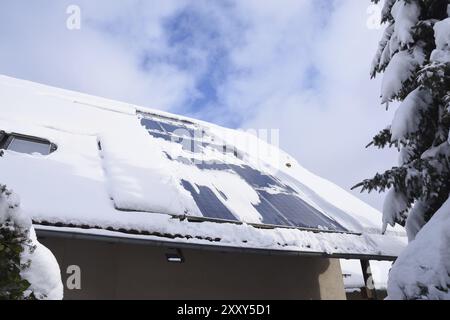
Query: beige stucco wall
(134, 271)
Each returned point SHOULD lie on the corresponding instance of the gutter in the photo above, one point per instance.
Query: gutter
(76, 234)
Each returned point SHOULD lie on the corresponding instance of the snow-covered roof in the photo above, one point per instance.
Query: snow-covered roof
(131, 172)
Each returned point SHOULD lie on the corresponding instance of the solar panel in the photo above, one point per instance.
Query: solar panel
(283, 209)
(187, 144)
(255, 178)
(195, 146)
(161, 136)
(151, 125)
(299, 213)
(169, 128)
(212, 166)
(270, 215)
(208, 203)
(279, 205)
(181, 131)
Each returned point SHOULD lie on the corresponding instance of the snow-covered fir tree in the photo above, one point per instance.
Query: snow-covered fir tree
(13, 242)
(28, 270)
(414, 56)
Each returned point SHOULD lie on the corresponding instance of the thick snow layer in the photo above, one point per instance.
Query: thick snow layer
(406, 15)
(248, 237)
(9, 204)
(384, 53)
(387, 7)
(423, 270)
(400, 69)
(442, 34)
(138, 173)
(407, 117)
(396, 54)
(415, 220)
(43, 272)
(84, 183)
(394, 205)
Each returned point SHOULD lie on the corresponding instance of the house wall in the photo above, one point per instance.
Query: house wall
(134, 271)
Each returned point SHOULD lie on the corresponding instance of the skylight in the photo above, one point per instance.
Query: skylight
(26, 144)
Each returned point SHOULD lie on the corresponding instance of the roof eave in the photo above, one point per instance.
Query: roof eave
(121, 238)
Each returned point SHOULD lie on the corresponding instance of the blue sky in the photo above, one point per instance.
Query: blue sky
(298, 65)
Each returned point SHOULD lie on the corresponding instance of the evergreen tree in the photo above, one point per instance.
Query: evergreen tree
(28, 270)
(14, 239)
(414, 57)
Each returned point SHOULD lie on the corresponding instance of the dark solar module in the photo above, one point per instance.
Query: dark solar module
(191, 133)
(151, 125)
(169, 128)
(161, 136)
(256, 178)
(183, 135)
(168, 156)
(185, 161)
(208, 203)
(299, 213)
(284, 209)
(188, 145)
(222, 194)
(213, 166)
(270, 215)
(178, 130)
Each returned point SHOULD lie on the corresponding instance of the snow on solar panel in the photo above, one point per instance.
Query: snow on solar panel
(151, 125)
(256, 178)
(278, 205)
(171, 129)
(270, 214)
(284, 208)
(298, 212)
(161, 136)
(208, 203)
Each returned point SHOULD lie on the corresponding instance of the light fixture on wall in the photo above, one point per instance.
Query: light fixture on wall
(174, 256)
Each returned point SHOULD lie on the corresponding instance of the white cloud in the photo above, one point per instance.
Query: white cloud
(36, 45)
(326, 126)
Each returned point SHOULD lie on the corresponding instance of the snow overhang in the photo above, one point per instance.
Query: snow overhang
(246, 239)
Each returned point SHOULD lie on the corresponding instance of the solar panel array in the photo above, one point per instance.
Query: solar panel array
(284, 208)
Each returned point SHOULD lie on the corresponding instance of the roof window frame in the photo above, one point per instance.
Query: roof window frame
(7, 138)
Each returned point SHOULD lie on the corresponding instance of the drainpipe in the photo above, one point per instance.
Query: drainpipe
(370, 290)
